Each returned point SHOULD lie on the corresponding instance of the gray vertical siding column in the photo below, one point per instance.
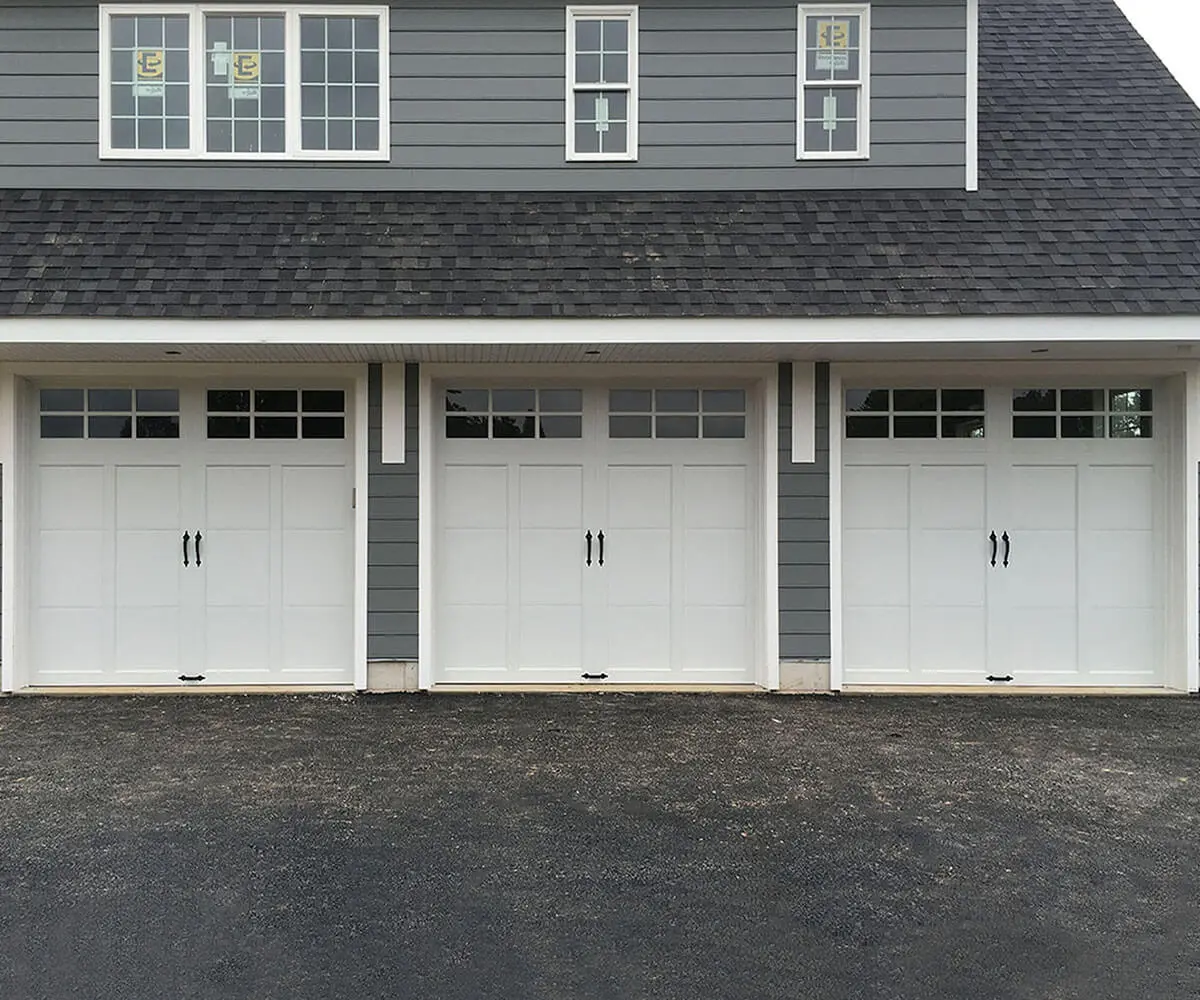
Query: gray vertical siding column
(392, 529)
(803, 532)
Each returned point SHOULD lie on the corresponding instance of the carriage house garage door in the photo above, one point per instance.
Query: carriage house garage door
(1007, 536)
(192, 534)
(596, 534)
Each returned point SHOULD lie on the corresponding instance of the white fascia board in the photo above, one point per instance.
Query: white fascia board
(707, 330)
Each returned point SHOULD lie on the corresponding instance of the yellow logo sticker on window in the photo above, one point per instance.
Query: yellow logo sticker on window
(833, 43)
(149, 71)
(245, 67)
(149, 63)
(833, 34)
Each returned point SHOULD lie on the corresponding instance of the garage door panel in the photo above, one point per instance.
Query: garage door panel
(552, 564)
(1034, 640)
(713, 638)
(550, 638)
(474, 497)
(879, 564)
(236, 567)
(950, 639)
(72, 640)
(148, 497)
(316, 638)
(714, 497)
(551, 497)
(71, 569)
(714, 567)
(639, 497)
(315, 497)
(1042, 570)
(637, 567)
(148, 565)
(71, 497)
(473, 566)
(1120, 641)
(473, 637)
(316, 568)
(1117, 569)
(1118, 498)
(237, 638)
(949, 568)
(638, 637)
(237, 497)
(876, 640)
(1041, 498)
(148, 638)
(864, 486)
(948, 497)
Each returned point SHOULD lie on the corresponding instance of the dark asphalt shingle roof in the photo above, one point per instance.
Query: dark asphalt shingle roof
(1089, 203)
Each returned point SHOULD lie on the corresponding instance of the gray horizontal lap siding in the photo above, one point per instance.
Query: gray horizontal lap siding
(392, 530)
(804, 624)
(478, 93)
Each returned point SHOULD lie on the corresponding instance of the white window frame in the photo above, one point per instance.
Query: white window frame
(630, 14)
(197, 92)
(863, 11)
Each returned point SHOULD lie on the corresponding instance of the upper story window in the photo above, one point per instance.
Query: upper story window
(602, 62)
(180, 81)
(834, 87)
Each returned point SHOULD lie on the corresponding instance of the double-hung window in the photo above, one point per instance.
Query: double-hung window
(833, 100)
(181, 81)
(602, 63)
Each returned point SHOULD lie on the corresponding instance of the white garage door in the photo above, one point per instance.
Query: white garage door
(596, 535)
(1002, 537)
(192, 535)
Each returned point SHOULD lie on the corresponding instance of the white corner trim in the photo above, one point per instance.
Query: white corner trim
(8, 532)
(770, 511)
(361, 525)
(972, 178)
(836, 645)
(1191, 528)
(392, 427)
(804, 412)
(425, 531)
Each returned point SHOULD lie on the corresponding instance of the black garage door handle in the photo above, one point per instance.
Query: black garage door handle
(992, 536)
(1007, 548)
(186, 539)
(199, 538)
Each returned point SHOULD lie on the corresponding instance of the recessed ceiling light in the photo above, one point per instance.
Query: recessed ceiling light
(1040, 350)
(591, 353)
(173, 352)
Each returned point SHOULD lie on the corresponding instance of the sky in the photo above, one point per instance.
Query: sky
(1172, 27)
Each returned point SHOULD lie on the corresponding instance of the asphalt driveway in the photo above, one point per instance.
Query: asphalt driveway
(599, 846)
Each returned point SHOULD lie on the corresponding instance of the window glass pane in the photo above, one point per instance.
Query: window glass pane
(148, 60)
(615, 34)
(324, 427)
(339, 133)
(561, 427)
(677, 427)
(915, 427)
(1082, 427)
(1035, 427)
(110, 427)
(323, 400)
(587, 35)
(228, 427)
(245, 64)
(62, 399)
(229, 400)
(514, 400)
(615, 68)
(158, 427)
(630, 401)
(1030, 400)
(110, 400)
(467, 401)
(867, 400)
(867, 427)
(513, 427)
(962, 400)
(274, 427)
(962, 427)
(466, 427)
(1082, 400)
(62, 427)
(587, 68)
(339, 68)
(560, 400)
(1131, 426)
(677, 400)
(914, 400)
(158, 400)
(628, 427)
(1131, 400)
(587, 139)
(275, 400)
(724, 427)
(724, 401)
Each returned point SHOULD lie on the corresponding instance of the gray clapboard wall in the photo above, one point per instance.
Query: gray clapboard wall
(478, 102)
(392, 530)
(803, 532)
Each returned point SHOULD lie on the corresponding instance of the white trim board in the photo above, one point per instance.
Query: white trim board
(972, 161)
(804, 412)
(870, 330)
(392, 429)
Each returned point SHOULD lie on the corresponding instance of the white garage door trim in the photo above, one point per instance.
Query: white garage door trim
(1179, 421)
(17, 441)
(761, 381)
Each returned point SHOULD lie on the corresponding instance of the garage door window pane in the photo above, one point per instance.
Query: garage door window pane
(275, 428)
(677, 401)
(110, 400)
(229, 400)
(326, 428)
(962, 426)
(158, 400)
(275, 401)
(222, 428)
(1082, 427)
(623, 427)
(62, 427)
(724, 427)
(1034, 400)
(868, 427)
(324, 401)
(1129, 426)
(1035, 427)
(466, 427)
(110, 427)
(61, 400)
(868, 401)
(561, 427)
(949, 414)
(513, 427)
(915, 427)
(914, 400)
(514, 400)
(158, 427)
(630, 401)
(677, 427)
